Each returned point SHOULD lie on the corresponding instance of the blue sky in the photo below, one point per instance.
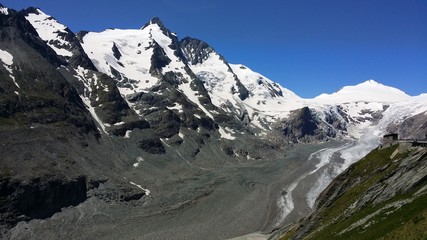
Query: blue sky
(309, 46)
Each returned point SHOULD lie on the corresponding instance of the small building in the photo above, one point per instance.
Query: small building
(390, 138)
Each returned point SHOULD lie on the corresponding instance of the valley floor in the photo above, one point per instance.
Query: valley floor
(217, 203)
(204, 203)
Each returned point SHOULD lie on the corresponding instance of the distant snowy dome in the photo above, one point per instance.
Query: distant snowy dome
(367, 91)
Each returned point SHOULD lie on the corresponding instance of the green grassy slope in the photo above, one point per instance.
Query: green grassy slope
(402, 216)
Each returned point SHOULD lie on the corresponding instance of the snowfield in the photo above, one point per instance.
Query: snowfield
(50, 30)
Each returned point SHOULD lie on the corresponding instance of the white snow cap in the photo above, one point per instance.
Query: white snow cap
(4, 10)
(48, 29)
(367, 91)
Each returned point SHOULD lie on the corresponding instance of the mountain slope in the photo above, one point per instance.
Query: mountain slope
(381, 196)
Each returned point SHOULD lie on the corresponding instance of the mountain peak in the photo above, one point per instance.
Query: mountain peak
(159, 23)
(34, 10)
(155, 21)
(370, 82)
(369, 90)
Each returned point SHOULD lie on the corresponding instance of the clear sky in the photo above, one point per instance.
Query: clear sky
(309, 46)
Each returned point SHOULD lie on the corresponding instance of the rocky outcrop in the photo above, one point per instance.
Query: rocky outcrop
(414, 127)
(38, 198)
(159, 59)
(196, 50)
(303, 125)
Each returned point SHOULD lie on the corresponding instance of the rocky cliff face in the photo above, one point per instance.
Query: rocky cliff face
(414, 127)
(38, 198)
(303, 125)
(381, 196)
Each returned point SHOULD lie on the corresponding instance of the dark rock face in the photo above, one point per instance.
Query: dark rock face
(164, 123)
(301, 125)
(38, 198)
(112, 107)
(159, 59)
(152, 145)
(116, 52)
(241, 89)
(196, 50)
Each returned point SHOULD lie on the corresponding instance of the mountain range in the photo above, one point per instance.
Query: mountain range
(140, 118)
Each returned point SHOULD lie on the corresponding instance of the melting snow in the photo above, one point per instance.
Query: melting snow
(91, 109)
(194, 97)
(127, 134)
(177, 106)
(138, 160)
(226, 133)
(147, 192)
(7, 59)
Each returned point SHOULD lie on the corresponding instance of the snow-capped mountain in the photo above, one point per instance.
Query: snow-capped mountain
(138, 60)
(370, 91)
(123, 107)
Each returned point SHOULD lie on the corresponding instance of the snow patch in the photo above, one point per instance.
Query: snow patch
(193, 96)
(138, 160)
(226, 133)
(7, 59)
(91, 109)
(147, 192)
(177, 106)
(127, 134)
(119, 123)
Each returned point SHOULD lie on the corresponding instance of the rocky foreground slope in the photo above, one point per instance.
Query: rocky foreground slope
(123, 128)
(383, 196)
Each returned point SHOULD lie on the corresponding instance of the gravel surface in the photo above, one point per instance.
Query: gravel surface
(219, 203)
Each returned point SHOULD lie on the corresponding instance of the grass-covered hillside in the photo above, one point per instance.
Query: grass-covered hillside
(383, 196)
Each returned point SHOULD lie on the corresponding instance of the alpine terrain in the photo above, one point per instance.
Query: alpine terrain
(139, 134)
